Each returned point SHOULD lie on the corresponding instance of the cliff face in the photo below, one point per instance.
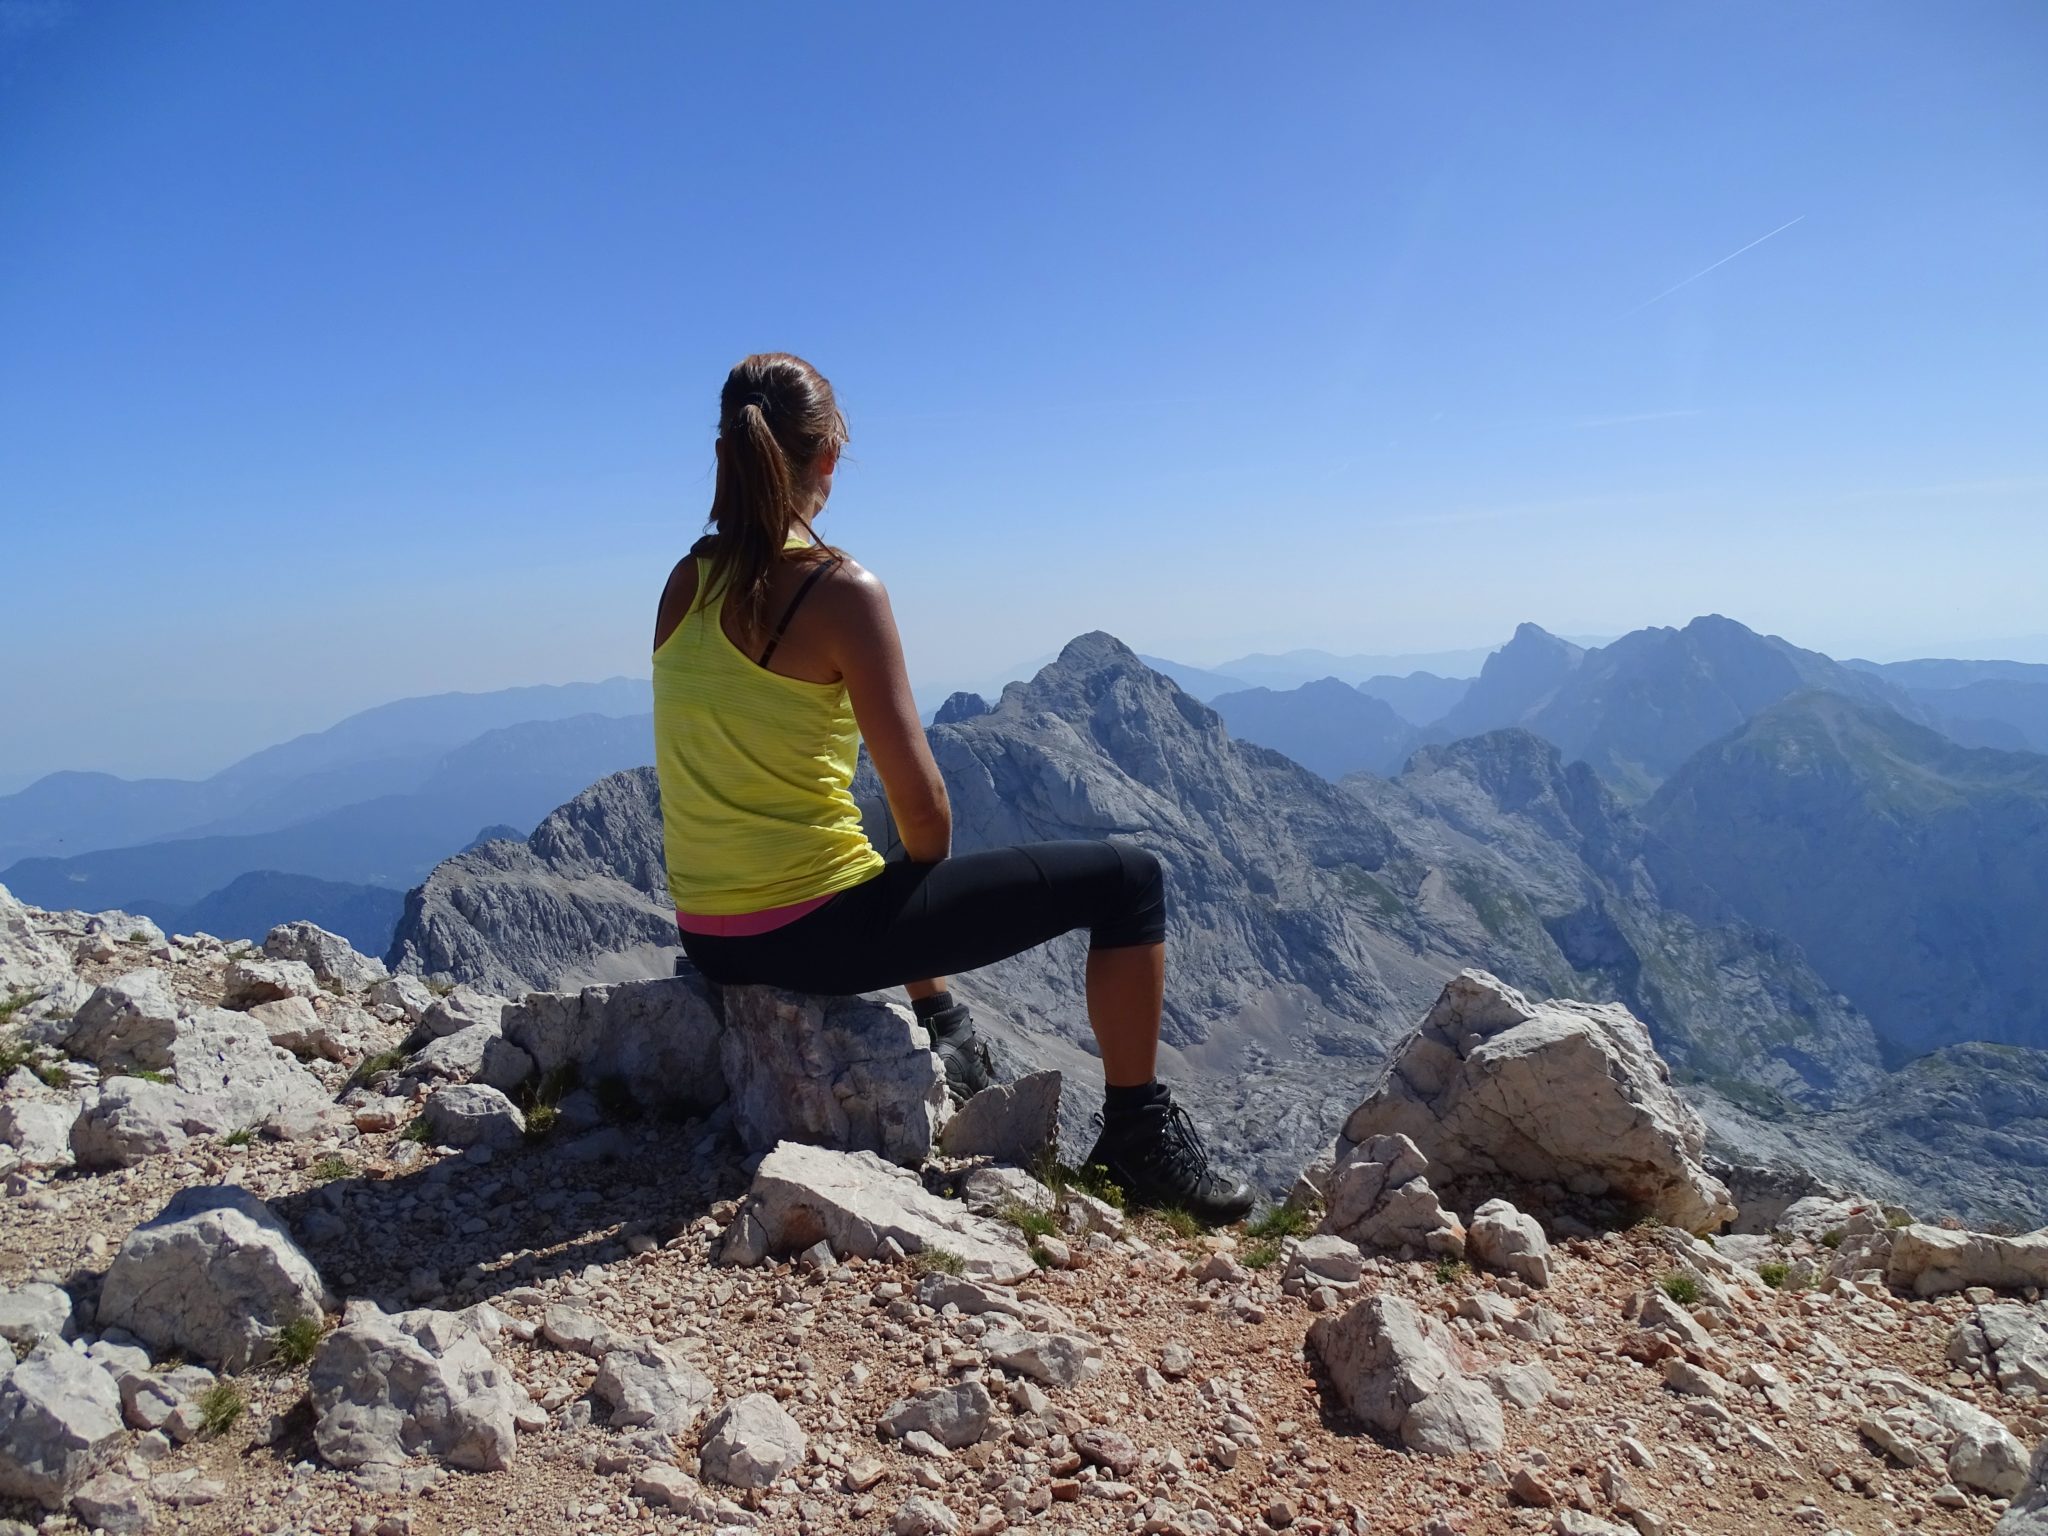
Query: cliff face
(584, 899)
(1913, 871)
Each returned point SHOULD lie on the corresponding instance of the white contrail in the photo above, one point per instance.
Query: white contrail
(1703, 271)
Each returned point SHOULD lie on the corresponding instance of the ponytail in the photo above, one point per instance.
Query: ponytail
(777, 415)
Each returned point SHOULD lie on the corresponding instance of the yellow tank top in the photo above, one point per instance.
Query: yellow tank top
(755, 769)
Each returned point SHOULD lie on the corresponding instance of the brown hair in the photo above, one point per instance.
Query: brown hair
(776, 415)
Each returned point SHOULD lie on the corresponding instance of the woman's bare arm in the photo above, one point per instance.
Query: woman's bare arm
(861, 631)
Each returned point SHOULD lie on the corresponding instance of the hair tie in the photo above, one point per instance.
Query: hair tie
(757, 399)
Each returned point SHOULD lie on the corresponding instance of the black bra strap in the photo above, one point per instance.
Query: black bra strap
(789, 613)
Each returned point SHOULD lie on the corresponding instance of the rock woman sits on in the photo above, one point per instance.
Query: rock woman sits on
(775, 655)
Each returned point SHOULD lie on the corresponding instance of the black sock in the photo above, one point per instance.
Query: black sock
(925, 1007)
(1127, 1103)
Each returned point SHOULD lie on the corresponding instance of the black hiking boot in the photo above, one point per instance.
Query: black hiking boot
(962, 1052)
(1157, 1156)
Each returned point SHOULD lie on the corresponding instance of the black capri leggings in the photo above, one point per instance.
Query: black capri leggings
(912, 921)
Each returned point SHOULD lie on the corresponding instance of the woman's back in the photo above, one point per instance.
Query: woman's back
(755, 766)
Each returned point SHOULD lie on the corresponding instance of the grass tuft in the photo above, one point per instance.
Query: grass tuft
(1680, 1287)
(1279, 1221)
(937, 1261)
(372, 1065)
(10, 1005)
(240, 1136)
(151, 1075)
(1029, 1220)
(1451, 1271)
(1260, 1253)
(415, 1130)
(1832, 1238)
(332, 1166)
(221, 1407)
(296, 1342)
(540, 1120)
(1774, 1273)
(1182, 1224)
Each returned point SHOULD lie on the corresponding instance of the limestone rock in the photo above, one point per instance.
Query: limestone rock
(990, 1191)
(1526, 1386)
(846, 1072)
(1929, 1260)
(388, 1387)
(1380, 1197)
(60, 1422)
(410, 996)
(1497, 1090)
(329, 956)
(2028, 1515)
(855, 1200)
(31, 1313)
(648, 1386)
(478, 1054)
(658, 1038)
(1503, 1238)
(463, 1008)
(30, 964)
(227, 1061)
(751, 1443)
(113, 1502)
(215, 1273)
(922, 1516)
(128, 1022)
(39, 1130)
(2007, 1343)
(1930, 1428)
(249, 982)
(1051, 1359)
(954, 1416)
(130, 1119)
(1010, 1122)
(472, 1114)
(1386, 1359)
(1325, 1260)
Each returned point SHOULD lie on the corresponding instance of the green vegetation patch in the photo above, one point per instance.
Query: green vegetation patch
(937, 1261)
(221, 1407)
(296, 1342)
(1680, 1287)
(1279, 1221)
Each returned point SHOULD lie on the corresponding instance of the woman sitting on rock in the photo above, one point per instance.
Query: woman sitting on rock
(775, 655)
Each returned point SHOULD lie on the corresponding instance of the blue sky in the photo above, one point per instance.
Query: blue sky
(350, 352)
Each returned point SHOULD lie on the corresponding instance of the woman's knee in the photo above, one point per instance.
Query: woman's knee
(1138, 912)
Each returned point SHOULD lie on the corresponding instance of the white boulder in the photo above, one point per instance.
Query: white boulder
(478, 1054)
(854, 1201)
(30, 963)
(60, 1422)
(847, 1072)
(2028, 1515)
(464, 1007)
(648, 1386)
(1010, 1122)
(472, 1114)
(2007, 1343)
(216, 1274)
(389, 1387)
(33, 1313)
(1380, 1197)
(1398, 1371)
(1498, 1091)
(329, 956)
(128, 1022)
(39, 1129)
(659, 1038)
(1929, 1260)
(249, 981)
(1506, 1239)
(751, 1443)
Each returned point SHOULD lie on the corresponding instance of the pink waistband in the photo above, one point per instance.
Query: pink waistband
(744, 925)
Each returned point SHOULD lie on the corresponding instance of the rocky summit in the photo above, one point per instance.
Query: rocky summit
(299, 1246)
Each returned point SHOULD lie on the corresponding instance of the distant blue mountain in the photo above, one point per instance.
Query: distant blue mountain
(250, 905)
(513, 776)
(390, 750)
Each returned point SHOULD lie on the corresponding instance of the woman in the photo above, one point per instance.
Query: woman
(774, 657)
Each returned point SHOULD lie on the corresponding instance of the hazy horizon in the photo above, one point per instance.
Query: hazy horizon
(353, 358)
